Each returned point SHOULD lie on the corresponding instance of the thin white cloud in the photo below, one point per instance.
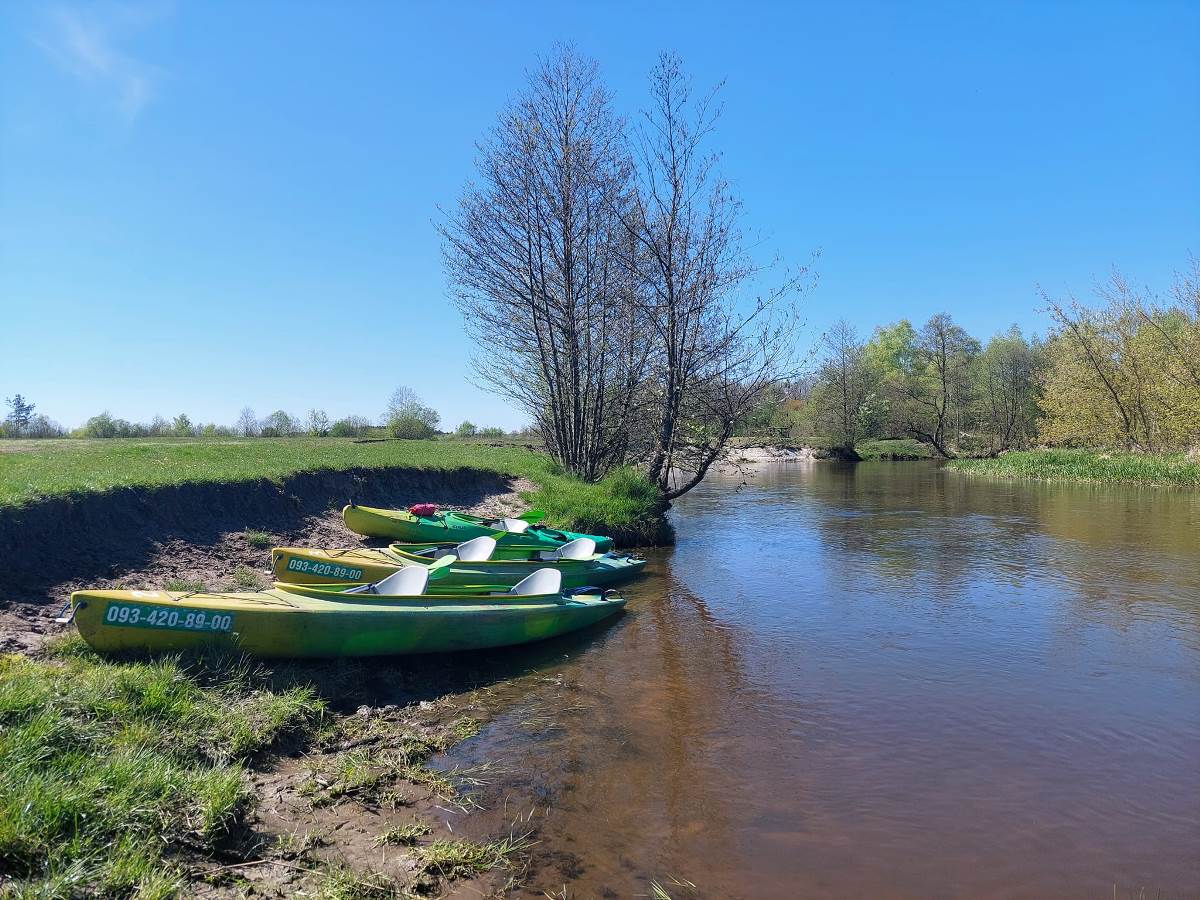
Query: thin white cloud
(85, 42)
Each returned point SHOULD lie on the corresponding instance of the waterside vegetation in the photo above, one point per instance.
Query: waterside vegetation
(1178, 469)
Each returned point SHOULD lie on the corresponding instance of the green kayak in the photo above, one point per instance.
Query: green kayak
(456, 527)
(335, 621)
(492, 564)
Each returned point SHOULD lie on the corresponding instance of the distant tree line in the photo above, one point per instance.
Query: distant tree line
(1123, 373)
(406, 416)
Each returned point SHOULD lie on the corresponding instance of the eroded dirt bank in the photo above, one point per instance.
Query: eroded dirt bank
(211, 534)
(356, 803)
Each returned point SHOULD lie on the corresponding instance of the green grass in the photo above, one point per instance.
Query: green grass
(34, 470)
(904, 448)
(246, 579)
(465, 859)
(1088, 465)
(260, 540)
(403, 835)
(189, 585)
(110, 771)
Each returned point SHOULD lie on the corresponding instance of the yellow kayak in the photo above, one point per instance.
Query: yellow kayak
(312, 621)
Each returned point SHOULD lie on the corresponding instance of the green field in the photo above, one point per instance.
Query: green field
(36, 470)
(1088, 465)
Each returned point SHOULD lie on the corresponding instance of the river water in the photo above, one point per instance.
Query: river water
(882, 680)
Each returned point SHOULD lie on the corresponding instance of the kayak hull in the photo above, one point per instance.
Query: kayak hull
(299, 565)
(453, 527)
(292, 622)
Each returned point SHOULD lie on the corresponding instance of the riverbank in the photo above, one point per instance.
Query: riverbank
(232, 775)
(225, 775)
(624, 505)
(1157, 469)
(220, 776)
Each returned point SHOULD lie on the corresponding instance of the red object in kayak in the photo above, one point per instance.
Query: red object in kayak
(423, 509)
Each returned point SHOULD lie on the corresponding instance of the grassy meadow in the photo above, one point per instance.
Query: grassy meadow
(1088, 465)
(34, 470)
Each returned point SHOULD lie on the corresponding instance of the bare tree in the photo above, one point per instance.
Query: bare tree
(714, 356)
(844, 385)
(247, 422)
(530, 252)
(318, 423)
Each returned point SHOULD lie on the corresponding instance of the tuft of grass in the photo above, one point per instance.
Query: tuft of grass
(625, 503)
(904, 448)
(403, 835)
(465, 859)
(111, 770)
(259, 540)
(190, 585)
(1088, 466)
(246, 579)
(342, 883)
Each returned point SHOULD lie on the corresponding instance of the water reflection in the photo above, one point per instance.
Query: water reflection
(882, 680)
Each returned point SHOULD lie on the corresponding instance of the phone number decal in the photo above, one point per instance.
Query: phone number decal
(324, 570)
(135, 615)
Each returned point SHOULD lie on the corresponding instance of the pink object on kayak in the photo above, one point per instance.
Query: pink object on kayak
(423, 509)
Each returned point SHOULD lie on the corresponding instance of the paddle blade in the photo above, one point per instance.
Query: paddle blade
(442, 566)
(532, 516)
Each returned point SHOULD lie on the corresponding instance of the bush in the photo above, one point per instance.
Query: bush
(412, 427)
(351, 426)
(407, 417)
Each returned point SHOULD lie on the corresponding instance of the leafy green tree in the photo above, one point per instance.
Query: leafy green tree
(279, 424)
(466, 429)
(408, 417)
(182, 426)
(1010, 368)
(350, 426)
(932, 389)
(1125, 372)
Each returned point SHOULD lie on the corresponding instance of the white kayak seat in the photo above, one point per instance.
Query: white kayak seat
(407, 582)
(478, 549)
(512, 526)
(580, 548)
(543, 581)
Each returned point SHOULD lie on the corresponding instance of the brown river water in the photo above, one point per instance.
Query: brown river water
(883, 680)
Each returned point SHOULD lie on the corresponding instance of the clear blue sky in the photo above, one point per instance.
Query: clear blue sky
(206, 205)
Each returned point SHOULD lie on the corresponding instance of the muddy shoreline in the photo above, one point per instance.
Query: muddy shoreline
(386, 716)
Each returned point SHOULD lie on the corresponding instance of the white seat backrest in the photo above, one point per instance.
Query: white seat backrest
(514, 526)
(580, 548)
(407, 582)
(543, 581)
(476, 550)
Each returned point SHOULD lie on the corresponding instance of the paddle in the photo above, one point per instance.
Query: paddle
(532, 516)
(442, 566)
